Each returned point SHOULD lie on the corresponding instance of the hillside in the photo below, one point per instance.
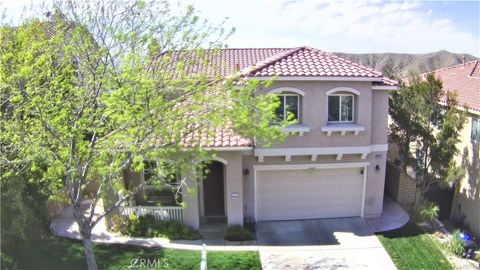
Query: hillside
(402, 63)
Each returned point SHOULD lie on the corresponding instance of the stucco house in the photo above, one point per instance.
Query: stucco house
(464, 79)
(332, 163)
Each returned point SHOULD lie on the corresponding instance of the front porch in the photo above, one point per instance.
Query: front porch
(215, 198)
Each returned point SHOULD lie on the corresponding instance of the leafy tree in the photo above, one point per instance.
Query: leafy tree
(426, 124)
(103, 85)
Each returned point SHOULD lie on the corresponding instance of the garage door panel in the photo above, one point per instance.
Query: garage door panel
(305, 194)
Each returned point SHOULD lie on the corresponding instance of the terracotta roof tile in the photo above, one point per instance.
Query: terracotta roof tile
(283, 62)
(465, 80)
(218, 137)
(310, 62)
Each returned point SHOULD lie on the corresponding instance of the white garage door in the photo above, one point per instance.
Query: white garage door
(308, 194)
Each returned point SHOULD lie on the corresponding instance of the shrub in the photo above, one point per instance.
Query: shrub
(119, 224)
(148, 226)
(455, 245)
(175, 230)
(6, 262)
(237, 233)
(427, 210)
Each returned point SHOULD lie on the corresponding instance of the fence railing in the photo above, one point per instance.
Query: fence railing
(159, 212)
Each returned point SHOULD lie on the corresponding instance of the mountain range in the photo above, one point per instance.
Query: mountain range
(401, 64)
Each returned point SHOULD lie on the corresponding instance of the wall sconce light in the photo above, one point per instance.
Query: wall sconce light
(246, 172)
(361, 171)
(377, 167)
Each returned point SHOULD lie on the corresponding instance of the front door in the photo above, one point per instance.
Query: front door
(213, 192)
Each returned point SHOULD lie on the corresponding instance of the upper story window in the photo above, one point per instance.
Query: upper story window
(289, 105)
(475, 134)
(341, 108)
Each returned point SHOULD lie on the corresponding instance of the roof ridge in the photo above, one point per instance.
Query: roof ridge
(257, 48)
(345, 60)
(269, 60)
(449, 67)
(474, 68)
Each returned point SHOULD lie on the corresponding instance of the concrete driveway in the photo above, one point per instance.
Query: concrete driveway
(340, 243)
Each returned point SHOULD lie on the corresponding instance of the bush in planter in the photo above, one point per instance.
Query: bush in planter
(455, 245)
(237, 233)
(427, 211)
(148, 226)
(119, 224)
(174, 230)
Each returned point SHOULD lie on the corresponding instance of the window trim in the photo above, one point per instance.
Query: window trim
(286, 90)
(340, 109)
(284, 95)
(343, 89)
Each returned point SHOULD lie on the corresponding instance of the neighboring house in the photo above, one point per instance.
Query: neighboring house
(332, 164)
(464, 79)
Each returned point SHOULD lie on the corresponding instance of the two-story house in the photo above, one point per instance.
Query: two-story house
(332, 163)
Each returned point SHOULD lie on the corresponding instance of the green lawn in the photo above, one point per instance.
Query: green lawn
(411, 248)
(62, 254)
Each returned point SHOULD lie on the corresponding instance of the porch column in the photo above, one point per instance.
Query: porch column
(191, 213)
(234, 187)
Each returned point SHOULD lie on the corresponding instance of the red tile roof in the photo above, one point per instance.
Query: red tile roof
(310, 62)
(216, 138)
(465, 80)
(282, 62)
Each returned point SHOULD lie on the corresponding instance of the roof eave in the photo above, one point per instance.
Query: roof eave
(385, 87)
(315, 78)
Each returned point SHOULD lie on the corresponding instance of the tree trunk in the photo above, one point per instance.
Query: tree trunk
(88, 248)
(86, 232)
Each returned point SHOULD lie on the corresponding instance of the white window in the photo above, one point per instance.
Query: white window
(289, 105)
(341, 108)
(475, 134)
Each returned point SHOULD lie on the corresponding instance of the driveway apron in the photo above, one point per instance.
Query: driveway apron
(340, 243)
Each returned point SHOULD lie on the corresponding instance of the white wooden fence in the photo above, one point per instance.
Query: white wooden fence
(159, 212)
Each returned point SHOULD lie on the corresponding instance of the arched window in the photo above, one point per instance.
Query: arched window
(341, 105)
(290, 103)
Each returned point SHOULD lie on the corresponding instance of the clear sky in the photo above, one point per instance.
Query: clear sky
(343, 26)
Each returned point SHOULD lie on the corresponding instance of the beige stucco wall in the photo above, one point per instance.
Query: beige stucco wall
(466, 200)
(233, 185)
(314, 114)
(374, 185)
(190, 196)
